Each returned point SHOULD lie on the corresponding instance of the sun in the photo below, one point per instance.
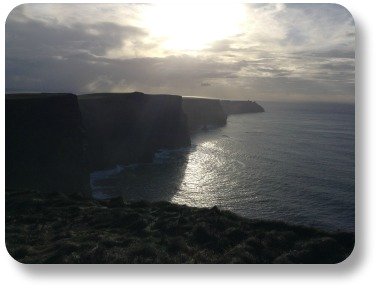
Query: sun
(186, 27)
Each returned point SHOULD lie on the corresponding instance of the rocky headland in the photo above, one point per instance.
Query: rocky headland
(241, 106)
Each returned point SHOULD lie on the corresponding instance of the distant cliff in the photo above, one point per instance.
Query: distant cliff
(44, 144)
(241, 106)
(125, 128)
(202, 112)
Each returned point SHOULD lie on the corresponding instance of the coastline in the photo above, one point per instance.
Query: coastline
(62, 224)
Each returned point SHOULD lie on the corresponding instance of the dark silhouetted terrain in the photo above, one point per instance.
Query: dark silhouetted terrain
(69, 229)
(45, 143)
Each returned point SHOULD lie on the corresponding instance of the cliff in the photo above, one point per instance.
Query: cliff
(125, 128)
(241, 106)
(44, 143)
(202, 112)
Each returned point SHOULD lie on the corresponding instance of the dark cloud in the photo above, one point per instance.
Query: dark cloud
(34, 39)
(76, 73)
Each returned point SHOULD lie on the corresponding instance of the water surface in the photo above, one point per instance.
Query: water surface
(295, 163)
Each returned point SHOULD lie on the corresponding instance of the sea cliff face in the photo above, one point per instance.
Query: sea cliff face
(241, 106)
(54, 140)
(126, 128)
(202, 112)
(45, 144)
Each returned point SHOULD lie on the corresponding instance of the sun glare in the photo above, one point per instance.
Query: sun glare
(186, 27)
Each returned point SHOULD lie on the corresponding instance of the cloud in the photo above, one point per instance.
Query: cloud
(36, 39)
(81, 72)
(282, 52)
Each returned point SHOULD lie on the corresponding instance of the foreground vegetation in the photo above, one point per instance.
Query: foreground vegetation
(68, 229)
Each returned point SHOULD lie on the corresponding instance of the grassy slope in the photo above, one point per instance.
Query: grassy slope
(64, 229)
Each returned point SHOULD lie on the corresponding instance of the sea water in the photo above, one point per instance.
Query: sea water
(293, 163)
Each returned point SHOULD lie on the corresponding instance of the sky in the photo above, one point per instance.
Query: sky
(271, 52)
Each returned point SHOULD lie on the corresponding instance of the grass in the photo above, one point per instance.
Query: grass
(59, 228)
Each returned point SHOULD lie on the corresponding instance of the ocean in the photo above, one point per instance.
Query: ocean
(293, 163)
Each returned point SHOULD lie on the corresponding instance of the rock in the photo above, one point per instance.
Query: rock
(126, 128)
(45, 144)
(203, 112)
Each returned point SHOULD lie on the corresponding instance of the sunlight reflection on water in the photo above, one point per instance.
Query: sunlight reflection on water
(210, 176)
(288, 165)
